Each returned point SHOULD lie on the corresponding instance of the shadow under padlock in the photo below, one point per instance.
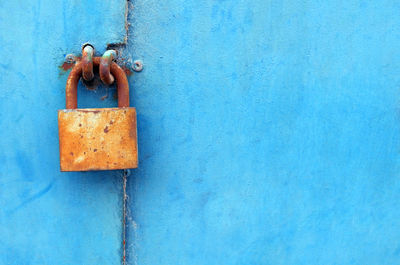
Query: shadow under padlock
(97, 138)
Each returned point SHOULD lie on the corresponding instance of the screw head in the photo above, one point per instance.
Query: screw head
(137, 66)
(70, 58)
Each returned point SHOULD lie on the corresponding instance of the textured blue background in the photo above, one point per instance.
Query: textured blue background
(49, 217)
(269, 132)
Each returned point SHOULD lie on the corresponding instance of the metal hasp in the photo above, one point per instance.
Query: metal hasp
(87, 62)
(97, 139)
(104, 70)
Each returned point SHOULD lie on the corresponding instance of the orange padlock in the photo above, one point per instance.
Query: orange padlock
(97, 138)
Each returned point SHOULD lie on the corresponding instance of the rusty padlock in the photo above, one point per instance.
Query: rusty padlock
(97, 139)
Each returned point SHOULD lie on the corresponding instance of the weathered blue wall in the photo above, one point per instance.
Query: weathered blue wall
(49, 217)
(269, 132)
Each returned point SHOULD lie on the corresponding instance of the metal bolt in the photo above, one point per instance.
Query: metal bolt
(137, 66)
(87, 44)
(70, 58)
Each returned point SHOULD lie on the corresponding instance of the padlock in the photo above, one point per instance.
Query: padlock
(97, 138)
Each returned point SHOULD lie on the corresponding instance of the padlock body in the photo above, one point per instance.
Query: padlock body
(97, 139)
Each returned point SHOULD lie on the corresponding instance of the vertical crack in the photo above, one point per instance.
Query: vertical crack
(120, 47)
(125, 175)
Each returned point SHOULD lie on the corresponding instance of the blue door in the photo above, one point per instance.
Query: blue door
(269, 133)
(49, 217)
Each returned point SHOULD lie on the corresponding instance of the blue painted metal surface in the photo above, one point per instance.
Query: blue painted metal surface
(268, 132)
(48, 217)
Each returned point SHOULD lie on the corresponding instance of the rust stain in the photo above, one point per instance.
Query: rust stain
(127, 71)
(133, 130)
(65, 66)
(97, 139)
(87, 110)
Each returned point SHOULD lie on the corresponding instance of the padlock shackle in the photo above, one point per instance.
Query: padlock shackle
(104, 68)
(71, 88)
(87, 62)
